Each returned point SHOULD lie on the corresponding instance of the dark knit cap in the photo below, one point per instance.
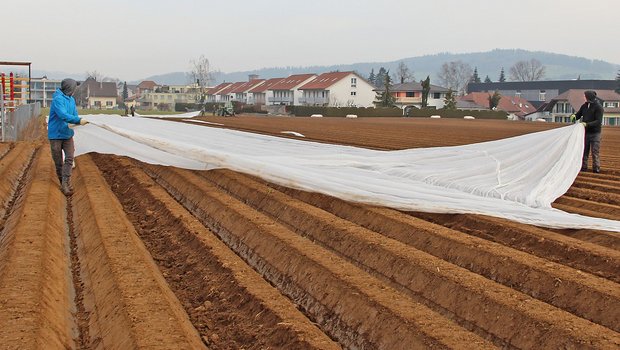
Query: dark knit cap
(68, 86)
(590, 95)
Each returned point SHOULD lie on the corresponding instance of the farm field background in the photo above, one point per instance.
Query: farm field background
(153, 256)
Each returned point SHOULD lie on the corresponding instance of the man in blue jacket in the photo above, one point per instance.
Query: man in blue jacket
(62, 112)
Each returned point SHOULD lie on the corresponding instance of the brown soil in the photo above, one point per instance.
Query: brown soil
(151, 256)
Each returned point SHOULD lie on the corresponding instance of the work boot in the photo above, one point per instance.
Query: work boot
(66, 187)
(584, 168)
(596, 170)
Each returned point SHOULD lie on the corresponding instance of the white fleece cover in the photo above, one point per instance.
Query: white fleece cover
(516, 178)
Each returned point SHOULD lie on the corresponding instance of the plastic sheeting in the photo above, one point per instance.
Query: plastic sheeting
(516, 178)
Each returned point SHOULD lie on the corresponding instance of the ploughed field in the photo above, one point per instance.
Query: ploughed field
(145, 256)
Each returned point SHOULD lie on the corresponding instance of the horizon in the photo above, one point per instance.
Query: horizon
(132, 41)
(82, 76)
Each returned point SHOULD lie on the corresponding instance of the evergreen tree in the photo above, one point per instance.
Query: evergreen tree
(494, 100)
(385, 97)
(502, 76)
(380, 78)
(372, 78)
(125, 92)
(449, 101)
(475, 78)
(487, 79)
(426, 89)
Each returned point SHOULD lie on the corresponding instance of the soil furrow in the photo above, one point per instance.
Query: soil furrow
(588, 208)
(227, 301)
(5, 148)
(546, 244)
(82, 320)
(350, 240)
(352, 306)
(606, 196)
(12, 176)
(35, 283)
(128, 301)
(607, 187)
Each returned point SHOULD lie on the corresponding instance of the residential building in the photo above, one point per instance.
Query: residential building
(409, 95)
(98, 94)
(42, 90)
(213, 93)
(165, 97)
(242, 92)
(261, 93)
(338, 89)
(146, 85)
(287, 91)
(226, 94)
(516, 107)
(560, 108)
(540, 92)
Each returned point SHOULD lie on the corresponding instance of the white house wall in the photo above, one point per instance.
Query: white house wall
(340, 93)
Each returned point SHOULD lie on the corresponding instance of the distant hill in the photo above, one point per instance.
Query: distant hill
(558, 67)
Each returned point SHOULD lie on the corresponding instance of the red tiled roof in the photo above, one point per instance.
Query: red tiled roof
(510, 104)
(291, 82)
(214, 90)
(325, 80)
(267, 85)
(230, 88)
(247, 85)
(576, 98)
(147, 84)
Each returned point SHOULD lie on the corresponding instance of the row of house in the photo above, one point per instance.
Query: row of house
(555, 100)
(334, 89)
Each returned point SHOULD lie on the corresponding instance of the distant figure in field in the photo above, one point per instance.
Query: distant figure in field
(126, 111)
(591, 115)
(133, 111)
(62, 112)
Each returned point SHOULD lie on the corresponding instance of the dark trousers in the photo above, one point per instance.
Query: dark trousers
(63, 170)
(593, 144)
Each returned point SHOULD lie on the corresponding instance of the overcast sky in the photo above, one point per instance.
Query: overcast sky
(135, 39)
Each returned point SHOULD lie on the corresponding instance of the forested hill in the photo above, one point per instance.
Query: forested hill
(558, 67)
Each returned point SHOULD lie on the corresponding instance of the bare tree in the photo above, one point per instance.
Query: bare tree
(531, 70)
(200, 73)
(94, 74)
(455, 75)
(403, 73)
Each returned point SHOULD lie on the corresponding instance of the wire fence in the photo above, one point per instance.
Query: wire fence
(15, 120)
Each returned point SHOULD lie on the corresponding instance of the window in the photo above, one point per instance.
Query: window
(108, 103)
(353, 93)
(541, 95)
(353, 82)
(518, 93)
(409, 94)
(610, 104)
(436, 95)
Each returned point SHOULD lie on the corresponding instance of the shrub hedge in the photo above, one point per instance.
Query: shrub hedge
(304, 111)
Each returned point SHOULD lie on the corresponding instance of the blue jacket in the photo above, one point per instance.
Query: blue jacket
(62, 112)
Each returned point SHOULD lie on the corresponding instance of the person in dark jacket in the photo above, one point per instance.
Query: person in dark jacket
(62, 112)
(591, 115)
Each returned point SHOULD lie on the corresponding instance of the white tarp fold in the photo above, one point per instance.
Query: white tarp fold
(516, 178)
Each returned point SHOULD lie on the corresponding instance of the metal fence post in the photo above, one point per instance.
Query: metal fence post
(2, 114)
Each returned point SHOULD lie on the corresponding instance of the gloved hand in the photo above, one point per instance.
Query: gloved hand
(584, 124)
(83, 121)
(573, 118)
